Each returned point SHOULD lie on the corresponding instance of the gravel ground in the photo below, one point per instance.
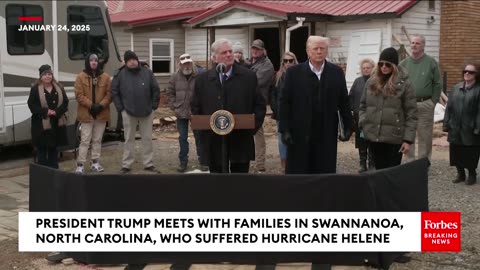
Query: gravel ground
(443, 196)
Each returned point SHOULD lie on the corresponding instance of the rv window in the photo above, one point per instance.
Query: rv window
(24, 42)
(90, 33)
(161, 52)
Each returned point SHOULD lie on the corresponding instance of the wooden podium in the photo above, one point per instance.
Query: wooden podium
(222, 123)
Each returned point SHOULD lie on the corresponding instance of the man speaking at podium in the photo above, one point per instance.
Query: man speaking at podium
(231, 87)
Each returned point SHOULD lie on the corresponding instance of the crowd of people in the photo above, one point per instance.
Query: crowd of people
(389, 107)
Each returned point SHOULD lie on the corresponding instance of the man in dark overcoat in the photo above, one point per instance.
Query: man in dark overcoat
(241, 96)
(313, 93)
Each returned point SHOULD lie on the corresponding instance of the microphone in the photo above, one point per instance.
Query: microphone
(221, 68)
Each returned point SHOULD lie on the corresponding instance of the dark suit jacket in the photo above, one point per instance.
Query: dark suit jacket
(241, 97)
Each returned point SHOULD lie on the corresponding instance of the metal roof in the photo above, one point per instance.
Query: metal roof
(138, 12)
(146, 16)
(194, 11)
(348, 8)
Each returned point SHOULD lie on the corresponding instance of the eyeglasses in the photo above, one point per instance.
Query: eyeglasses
(387, 64)
(471, 72)
(185, 57)
(288, 61)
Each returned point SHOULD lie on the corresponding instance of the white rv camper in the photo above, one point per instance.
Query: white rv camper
(23, 52)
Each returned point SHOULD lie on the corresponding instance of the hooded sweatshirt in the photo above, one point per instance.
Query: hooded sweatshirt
(92, 88)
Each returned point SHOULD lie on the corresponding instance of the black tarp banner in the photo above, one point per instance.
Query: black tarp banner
(403, 188)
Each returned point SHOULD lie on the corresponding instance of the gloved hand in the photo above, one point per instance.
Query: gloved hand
(348, 133)
(476, 131)
(287, 138)
(96, 109)
(355, 125)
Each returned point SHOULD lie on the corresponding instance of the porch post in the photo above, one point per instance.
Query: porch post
(282, 27)
(211, 38)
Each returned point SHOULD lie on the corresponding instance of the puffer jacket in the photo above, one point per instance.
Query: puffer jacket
(389, 119)
(462, 116)
(84, 94)
(180, 93)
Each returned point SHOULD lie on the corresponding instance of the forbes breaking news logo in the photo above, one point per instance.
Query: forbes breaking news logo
(441, 231)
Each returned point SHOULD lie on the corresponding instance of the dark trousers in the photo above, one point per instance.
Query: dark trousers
(365, 153)
(235, 167)
(47, 156)
(309, 157)
(363, 150)
(182, 127)
(386, 155)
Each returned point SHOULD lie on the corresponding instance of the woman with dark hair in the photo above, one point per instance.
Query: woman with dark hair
(462, 122)
(289, 59)
(388, 111)
(48, 103)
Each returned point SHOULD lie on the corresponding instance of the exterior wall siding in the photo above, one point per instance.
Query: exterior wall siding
(197, 45)
(142, 45)
(340, 36)
(122, 37)
(415, 22)
(196, 41)
(239, 34)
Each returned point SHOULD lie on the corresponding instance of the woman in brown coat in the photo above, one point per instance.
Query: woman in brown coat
(93, 93)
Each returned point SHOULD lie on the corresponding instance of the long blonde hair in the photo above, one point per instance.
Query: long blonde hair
(283, 69)
(380, 86)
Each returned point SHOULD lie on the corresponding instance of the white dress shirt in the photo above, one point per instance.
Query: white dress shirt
(317, 72)
(229, 73)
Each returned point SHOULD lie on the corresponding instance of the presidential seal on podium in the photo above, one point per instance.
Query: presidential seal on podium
(222, 122)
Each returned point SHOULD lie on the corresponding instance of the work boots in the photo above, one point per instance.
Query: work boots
(363, 166)
(460, 175)
(371, 163)
(472, 177)
(182, 168)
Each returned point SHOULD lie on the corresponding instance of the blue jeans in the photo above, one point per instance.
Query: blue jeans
(182, 127)
(47, 156)
(282, 148)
